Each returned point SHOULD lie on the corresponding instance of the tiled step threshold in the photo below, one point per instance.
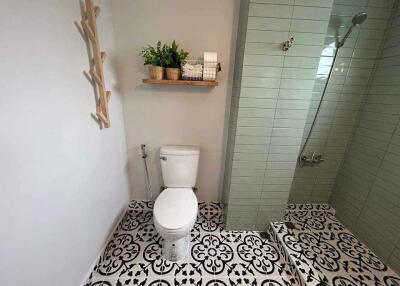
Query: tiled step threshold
(321, 251)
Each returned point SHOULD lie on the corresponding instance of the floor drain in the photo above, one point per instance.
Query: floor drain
(265, 235)
(290, 225)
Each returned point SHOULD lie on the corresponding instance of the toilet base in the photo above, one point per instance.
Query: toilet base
(176, 250)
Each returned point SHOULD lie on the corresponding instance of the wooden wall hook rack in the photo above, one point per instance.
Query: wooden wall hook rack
(97, 74)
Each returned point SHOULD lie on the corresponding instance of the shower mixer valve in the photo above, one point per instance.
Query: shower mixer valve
(287, 44)
(315, 158)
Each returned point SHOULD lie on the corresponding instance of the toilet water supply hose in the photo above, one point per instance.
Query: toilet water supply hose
(146, 171)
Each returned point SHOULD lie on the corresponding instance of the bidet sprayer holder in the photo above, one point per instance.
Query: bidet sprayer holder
(144, 154)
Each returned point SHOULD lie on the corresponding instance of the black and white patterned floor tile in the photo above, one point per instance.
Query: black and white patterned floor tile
(313, 220)
(217, 257)
(322, 251)
(310, 207)
(209, 218)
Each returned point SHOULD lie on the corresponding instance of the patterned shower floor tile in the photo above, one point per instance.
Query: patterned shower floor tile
(217, 257)
(310, 207)
(321, 251)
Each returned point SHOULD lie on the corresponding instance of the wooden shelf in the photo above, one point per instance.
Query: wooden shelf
(182, 82)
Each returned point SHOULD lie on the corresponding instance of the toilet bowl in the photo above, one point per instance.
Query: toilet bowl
(175, 212)
(175, 209)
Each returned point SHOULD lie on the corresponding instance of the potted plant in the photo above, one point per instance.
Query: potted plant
(173, 61)
(155, 57)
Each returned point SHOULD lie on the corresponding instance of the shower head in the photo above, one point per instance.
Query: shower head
(357, 20)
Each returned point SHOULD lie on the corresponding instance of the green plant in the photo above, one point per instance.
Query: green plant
(174, 57)
(155, 56)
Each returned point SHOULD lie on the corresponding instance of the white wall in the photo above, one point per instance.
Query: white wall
(157, 115)
(63, 181)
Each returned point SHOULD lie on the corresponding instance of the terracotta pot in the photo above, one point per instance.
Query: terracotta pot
(173, 73)
(156, 72)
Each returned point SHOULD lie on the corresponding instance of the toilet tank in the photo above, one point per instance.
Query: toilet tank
(179, 165)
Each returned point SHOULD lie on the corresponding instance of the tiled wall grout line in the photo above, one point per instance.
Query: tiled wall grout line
(366, 191)
(335, 129)
(366, 96)
(273, 120)
(377, 171)
(324, 149)
(275, 95)
(392, 254)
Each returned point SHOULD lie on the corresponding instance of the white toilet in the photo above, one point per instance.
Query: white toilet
(175, 209)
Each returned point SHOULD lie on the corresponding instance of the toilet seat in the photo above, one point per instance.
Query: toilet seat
(175, 209)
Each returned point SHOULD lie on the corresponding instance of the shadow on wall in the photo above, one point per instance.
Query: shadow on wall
(234, 38)
(152, 88)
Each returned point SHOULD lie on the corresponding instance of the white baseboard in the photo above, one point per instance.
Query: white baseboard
(118, 220)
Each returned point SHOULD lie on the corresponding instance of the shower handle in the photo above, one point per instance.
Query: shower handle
(317, 158)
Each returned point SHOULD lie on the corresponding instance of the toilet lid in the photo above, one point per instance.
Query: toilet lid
(175, 208)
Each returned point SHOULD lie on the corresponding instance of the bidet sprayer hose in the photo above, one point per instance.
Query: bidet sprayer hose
(147, 178)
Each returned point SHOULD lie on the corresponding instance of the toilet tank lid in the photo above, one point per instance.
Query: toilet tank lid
(179, 150)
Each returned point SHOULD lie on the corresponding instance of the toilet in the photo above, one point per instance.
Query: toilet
(175, 209)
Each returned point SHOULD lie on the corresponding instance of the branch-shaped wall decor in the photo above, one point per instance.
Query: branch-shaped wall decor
(90, 28)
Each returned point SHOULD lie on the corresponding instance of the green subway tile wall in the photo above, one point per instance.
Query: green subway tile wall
(240, 46)
(367, 191)
(270, 103)
(345, 93)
